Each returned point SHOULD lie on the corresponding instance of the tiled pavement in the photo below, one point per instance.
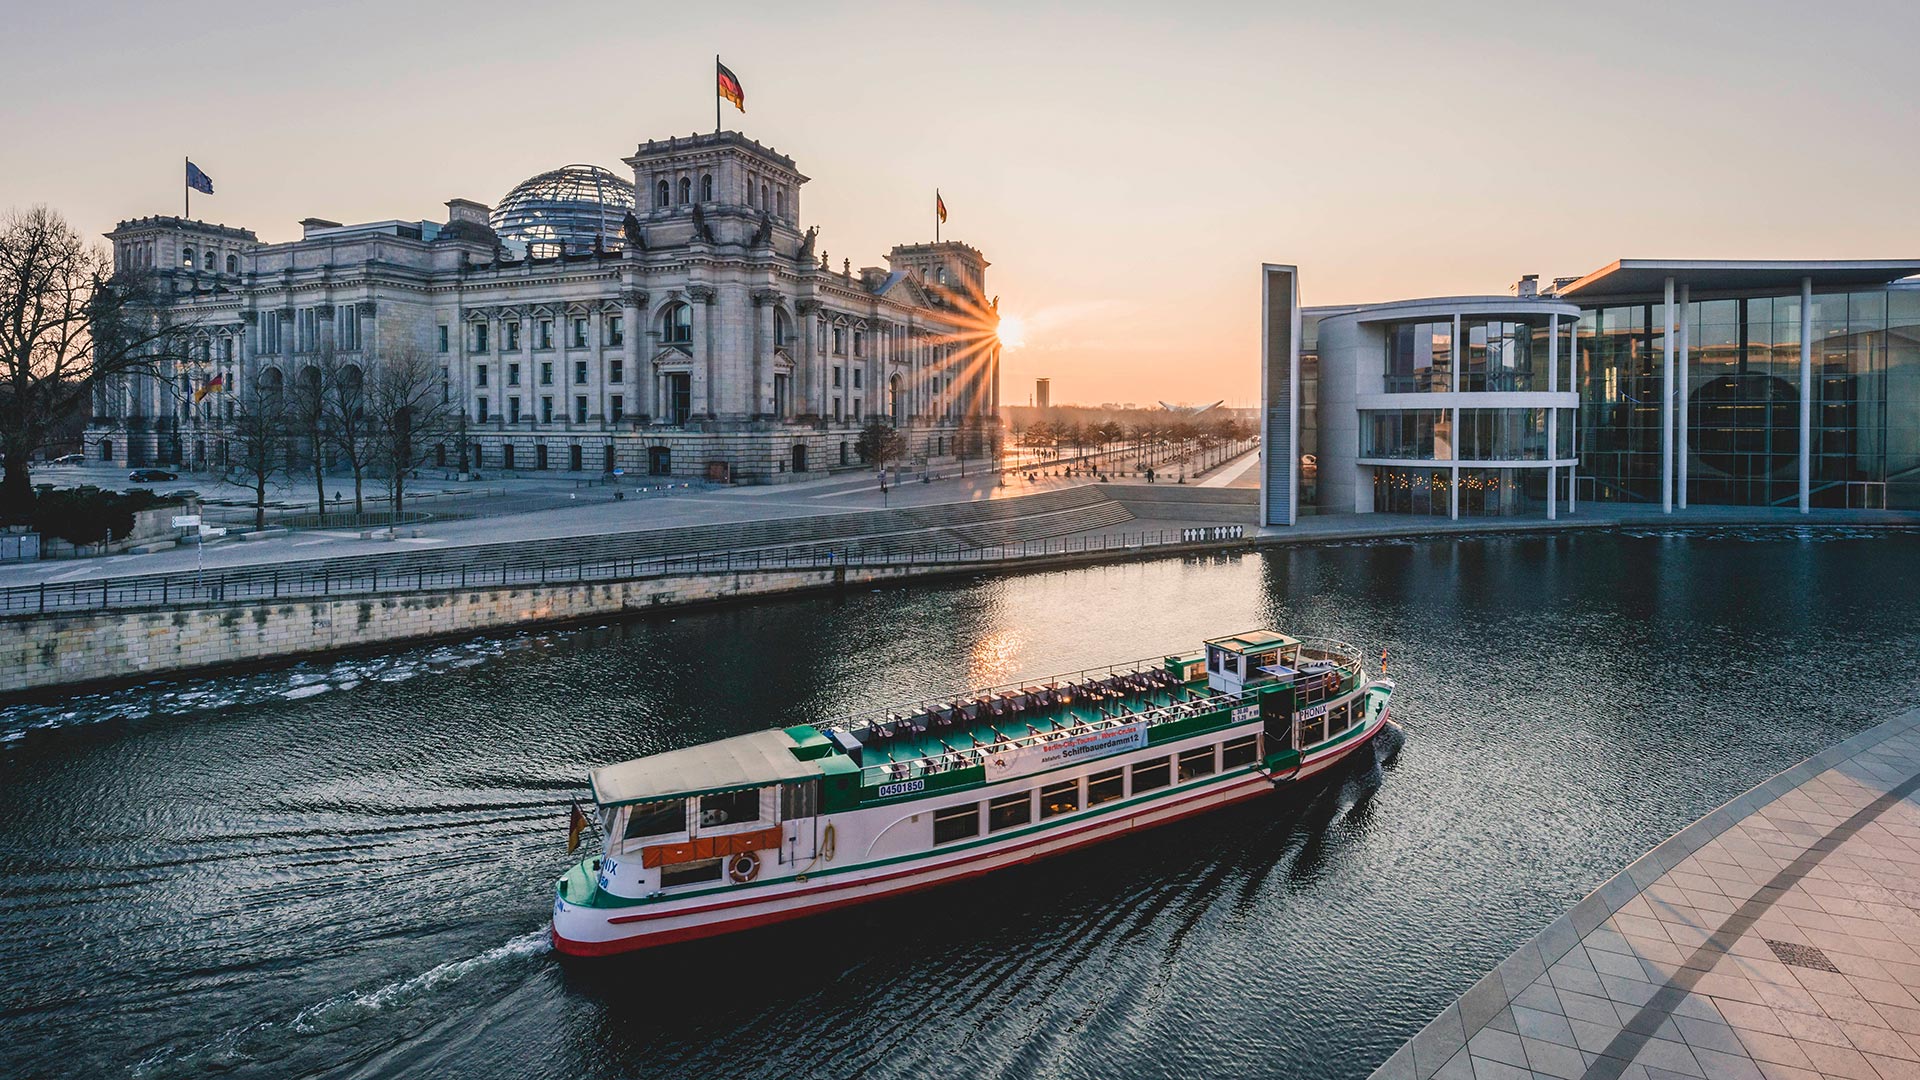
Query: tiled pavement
(1777, 938)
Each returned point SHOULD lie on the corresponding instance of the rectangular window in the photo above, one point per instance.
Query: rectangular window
(513, 411)
(579, 373)
(480, 413)
(836, 410)
(856, 378)
(543, 334)
(479, 337)
(1008, 811)
(836, 377)
(510, 332)
(1237, 752)
(617, 408)
(546, 373)
(730, 807)
(616, 330)
(1061, 798)
(859, 343)
(443, 339)
(1104, 787)
(480, 375)
(856, 410)
(546, 410)
(1149, 775)
(1313, 731)
(656, 818)
(956, 823)
(1339, 719)
(579, 333)
(1196, 763)
(579, 410)
(690, 873)
(513, 374)
(617, 371)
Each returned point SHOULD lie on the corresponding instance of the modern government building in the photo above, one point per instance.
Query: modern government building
(674, 320)
(1789, 384)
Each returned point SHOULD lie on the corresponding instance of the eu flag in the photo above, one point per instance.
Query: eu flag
(198, 180)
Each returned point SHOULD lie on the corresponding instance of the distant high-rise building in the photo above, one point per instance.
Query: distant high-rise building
(1042, 392)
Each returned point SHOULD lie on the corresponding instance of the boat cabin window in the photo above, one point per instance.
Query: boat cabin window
(1061, 798)
(956, 823)
(800, 800)
(1231, 663)
(1213, 659)
(1151, 774)
(655, 818)
(1196, 763)
(1008, 811)
(1237, 752)
(689, 873)
(1104, 787)
(1313, 731)
(1338, 720)
(730, 807)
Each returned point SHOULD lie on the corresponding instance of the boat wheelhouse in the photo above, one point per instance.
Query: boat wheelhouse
(783, 823)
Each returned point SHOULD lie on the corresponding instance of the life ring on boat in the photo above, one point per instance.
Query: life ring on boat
(826, 845)
(743, 867)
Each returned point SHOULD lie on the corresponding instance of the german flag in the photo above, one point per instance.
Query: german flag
(729, 85)
(939, 205)
(576, 824)
(211, 386)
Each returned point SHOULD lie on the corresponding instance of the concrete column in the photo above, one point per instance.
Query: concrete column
(1553, 354)
(630, 318)
(1806, 394)
(1680, 419)
(1453, 493)
(1553, 486)
(1456, 361)
(701, 390)
(762, 341)
(1666, 403)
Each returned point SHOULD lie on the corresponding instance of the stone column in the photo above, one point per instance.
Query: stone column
(762, 339)
(702, 388)
(808, 379)
(633, 307)
(1806, 394)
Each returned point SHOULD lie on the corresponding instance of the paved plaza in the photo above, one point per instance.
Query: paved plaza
(1778, 938)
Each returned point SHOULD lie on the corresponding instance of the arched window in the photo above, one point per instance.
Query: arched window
(233, 264)
(686, 189)
(749, 191)
(706, 188)
(763, 195)
(676, 325)
(186, 257)
(782, 329)
(781, 196)
(662, 194)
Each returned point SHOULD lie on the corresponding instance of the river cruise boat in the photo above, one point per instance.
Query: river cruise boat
(784, 823)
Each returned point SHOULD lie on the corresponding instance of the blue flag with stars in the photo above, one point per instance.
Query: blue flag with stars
(198, 180)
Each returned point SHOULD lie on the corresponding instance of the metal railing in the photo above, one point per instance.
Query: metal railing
(338, 578)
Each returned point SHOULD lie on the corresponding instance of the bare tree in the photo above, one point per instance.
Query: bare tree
(407, 415)
(258, 437)
(307, 410)
(352, 427)
(880, 444)
(67, 323)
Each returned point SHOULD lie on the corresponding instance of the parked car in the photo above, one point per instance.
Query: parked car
(150, 476)
(70, 459)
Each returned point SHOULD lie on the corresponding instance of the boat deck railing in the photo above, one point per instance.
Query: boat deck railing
(967, 757)
(1151, 669)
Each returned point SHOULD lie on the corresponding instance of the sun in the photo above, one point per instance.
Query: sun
(1012, 332)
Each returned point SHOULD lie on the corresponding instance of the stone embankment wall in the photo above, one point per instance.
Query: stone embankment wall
(47, 651)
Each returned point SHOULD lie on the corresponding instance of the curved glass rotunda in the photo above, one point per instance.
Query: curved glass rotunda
(565, 210)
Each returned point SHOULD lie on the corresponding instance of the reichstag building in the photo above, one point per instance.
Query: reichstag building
(680, 323)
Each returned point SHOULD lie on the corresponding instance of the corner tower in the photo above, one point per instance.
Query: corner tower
(732, 179)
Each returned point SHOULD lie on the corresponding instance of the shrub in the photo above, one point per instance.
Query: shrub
(86, 515)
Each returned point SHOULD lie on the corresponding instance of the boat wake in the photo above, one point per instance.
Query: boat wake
(271, 1041)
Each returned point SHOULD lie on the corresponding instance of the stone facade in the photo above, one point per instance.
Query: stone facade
(712, 337)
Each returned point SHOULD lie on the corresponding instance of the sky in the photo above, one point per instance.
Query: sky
(1125, 167)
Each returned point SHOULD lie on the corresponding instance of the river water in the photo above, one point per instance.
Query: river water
(343, 869)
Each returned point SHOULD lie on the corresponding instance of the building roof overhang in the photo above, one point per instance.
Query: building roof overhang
(1636, 278)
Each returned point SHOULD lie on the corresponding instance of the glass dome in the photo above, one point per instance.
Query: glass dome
(565, 210)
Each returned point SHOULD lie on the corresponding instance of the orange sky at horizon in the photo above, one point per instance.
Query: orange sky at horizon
(1125, 167)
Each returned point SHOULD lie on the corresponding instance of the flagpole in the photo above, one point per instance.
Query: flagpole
(186, 189)
(936, 215)
(716, 94)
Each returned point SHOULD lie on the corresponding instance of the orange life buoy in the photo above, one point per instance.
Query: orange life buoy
(743, 867)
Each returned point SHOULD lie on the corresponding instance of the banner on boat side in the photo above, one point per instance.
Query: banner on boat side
(1066, 750)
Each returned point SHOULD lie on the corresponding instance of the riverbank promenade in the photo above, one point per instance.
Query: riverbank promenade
(1777, 938)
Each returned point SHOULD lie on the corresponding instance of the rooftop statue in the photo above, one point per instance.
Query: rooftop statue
(806, 242)
(701, 230)
(630, 228)
(764, 234)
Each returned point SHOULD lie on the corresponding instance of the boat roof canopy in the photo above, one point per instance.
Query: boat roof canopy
(1252, 641)
(743, 761)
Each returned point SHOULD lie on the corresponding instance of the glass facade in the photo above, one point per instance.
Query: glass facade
(1412, 491)
(1743, 411)
(1505, 434)
(1499, 356)
(1426, 434)
(1420, 357)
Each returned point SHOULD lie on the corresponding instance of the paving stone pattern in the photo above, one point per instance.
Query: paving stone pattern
(1777, 938)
